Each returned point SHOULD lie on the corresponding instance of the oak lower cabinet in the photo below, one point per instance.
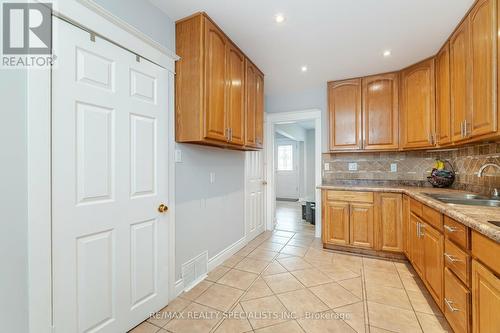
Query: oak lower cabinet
(389, 223)
(211, 93)
(433, 242)
(406, 225)
(485, 299)
(348, 219)
(426, 248)
(336, 226)
(485, 284)
(361, 225)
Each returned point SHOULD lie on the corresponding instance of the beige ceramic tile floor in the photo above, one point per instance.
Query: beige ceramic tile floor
(269, 286)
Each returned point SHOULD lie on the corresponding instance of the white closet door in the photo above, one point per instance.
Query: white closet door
(110, 167)
(254, 194)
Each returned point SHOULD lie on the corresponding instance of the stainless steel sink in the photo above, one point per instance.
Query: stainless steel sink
(464, 199)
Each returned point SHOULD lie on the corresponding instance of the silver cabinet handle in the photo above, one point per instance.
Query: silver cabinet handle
(450, 258)
(450, 306)
(421, 229)
(462, 129)
(465, 129)
(449, 228)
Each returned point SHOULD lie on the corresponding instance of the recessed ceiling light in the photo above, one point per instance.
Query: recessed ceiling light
(387, 53)
(279, 18)
(303, 68)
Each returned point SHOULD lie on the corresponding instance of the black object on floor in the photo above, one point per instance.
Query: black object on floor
(310, 212)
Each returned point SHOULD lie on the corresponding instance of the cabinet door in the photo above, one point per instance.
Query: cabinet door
(380, 112)
(361, 225)
(259, 111)
(215, 85)
(336, 226)
(389, 224)
(483, 48)
(433, 262)
(416, 248)
(418, 105)
(236, 95)
(250, 103)
(406, 227)
(344, 107)
(459, 77)
(485, 299)
(443, 101)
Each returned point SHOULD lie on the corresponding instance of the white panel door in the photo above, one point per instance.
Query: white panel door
(254, 194)
(110, 167)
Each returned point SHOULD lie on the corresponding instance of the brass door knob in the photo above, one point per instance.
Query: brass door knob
(162, 208)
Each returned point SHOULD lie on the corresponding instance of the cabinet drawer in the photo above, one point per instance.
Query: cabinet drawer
(456, 302)
(457, 232)
(457, 261)
(486, 250)
(416, 207)
(433, 217)
(350, 196)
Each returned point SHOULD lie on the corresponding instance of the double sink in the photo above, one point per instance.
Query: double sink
(468, 199)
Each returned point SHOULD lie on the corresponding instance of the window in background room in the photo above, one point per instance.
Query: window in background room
(285, 158)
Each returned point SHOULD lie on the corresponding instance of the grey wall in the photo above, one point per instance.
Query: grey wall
(145, 17)
(13, 221)
(307, 99)
(209, 217)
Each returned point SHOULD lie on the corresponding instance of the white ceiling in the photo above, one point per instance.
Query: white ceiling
(335, 38)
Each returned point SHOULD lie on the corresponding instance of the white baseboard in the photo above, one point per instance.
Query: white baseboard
(223, 255)
(178, 288)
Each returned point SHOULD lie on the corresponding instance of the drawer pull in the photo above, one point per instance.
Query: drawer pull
(450, 306)
(450, 228)
(450, 258)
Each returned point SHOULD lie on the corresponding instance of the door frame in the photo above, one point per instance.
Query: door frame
(273, 119)
(89, 16)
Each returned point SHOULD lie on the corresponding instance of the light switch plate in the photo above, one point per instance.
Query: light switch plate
(178, 156)
(327, 166)
(353, 166)
(394, 167)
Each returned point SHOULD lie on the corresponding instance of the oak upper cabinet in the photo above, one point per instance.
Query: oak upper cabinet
(344, 105)
(389, 222)
(380, 112)
(210, 86)
(254, 106)
(483, 62)
(418, 106)
(236, 95)
(485, 299)
(259, 111)
(216, 84)
(459, 78)
(443, 97)
(361, 225)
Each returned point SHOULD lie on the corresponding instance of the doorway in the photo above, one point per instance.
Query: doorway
(293, 149)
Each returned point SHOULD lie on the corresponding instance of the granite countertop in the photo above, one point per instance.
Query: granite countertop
(475, 217)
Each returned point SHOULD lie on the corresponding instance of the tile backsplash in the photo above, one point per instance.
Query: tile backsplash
(415, 166)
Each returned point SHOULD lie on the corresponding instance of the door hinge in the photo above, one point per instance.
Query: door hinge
(92, 37)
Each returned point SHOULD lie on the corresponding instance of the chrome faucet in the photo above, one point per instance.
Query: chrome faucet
(481, 170)
(494, 193)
